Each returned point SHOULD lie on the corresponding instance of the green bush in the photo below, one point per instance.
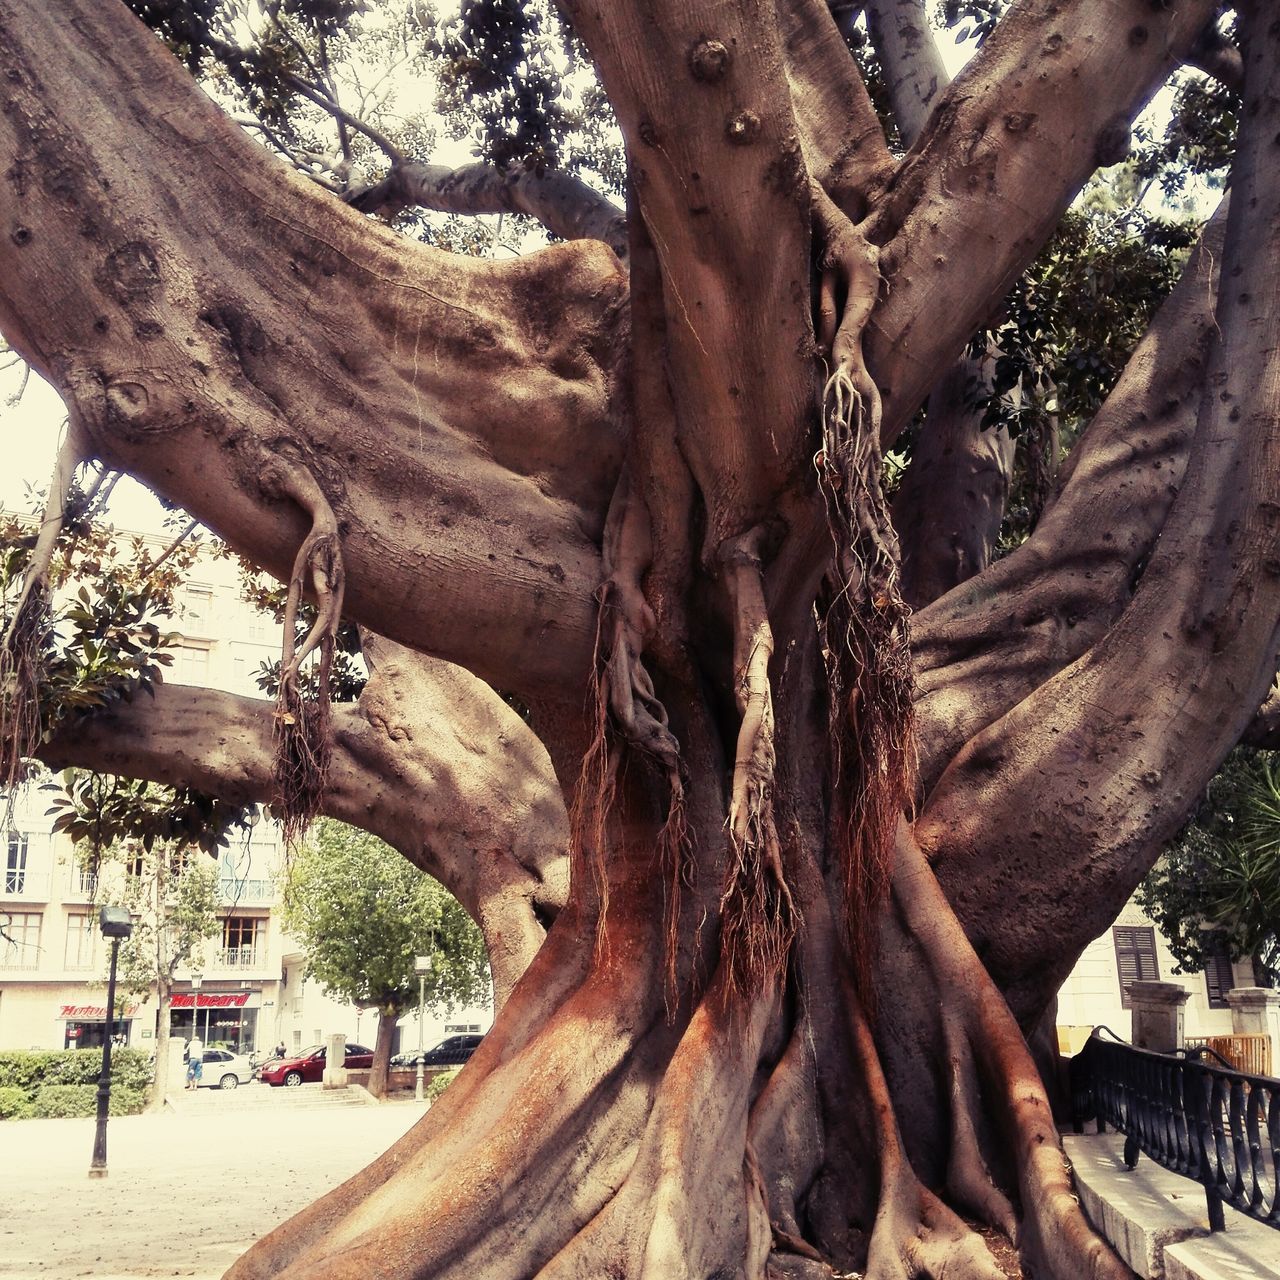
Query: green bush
(53, 1083)
(14, 1103)
(70, 1101)
(25, 1070)
(59, 1101)
(440, 1083)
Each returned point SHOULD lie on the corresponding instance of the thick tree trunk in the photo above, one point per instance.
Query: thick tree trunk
(381, 1069)
(766, 1034)
(160, 1082)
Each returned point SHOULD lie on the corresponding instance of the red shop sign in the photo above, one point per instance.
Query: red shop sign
(206, 1000)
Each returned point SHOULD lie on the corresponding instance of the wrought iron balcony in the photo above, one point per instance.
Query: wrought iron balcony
(233, 891)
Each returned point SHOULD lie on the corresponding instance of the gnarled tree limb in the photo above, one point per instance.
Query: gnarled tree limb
(429, 759)
(564, 204)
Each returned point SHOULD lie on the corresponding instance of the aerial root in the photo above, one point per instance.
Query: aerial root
(969, 1180)
(849, 285)
(623, 702)
(303, 741)
(26, 637)
(759, 912)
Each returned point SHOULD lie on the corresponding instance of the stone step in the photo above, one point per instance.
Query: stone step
(249, 1097)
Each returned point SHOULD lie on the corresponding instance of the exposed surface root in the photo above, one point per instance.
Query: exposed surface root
(864, 618)
(986, 1049)
(759, 913)
(915, 1235)
(26, 637)
(302, 731)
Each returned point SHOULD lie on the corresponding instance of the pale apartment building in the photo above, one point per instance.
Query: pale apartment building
(247, 990)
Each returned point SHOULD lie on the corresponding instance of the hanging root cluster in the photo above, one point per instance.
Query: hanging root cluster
(303, 740)
(758, 912)
(863, 617)
(626, 711)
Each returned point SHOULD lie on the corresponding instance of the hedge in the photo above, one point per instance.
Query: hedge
(440, 1083)
(14, 1103)
(63, 1101)
(32, 1074)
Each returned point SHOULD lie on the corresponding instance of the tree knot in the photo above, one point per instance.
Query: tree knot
(708, 61)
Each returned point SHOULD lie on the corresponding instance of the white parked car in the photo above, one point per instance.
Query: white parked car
(224, 1070)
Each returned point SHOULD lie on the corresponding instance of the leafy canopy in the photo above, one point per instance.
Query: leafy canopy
(1219, 880)
(362, 912)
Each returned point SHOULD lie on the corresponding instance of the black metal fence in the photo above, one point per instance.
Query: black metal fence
(1196, 1117)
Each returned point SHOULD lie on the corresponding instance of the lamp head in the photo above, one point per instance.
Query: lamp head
(115, 922)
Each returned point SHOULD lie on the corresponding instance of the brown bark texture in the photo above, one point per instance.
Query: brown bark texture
(773, 880)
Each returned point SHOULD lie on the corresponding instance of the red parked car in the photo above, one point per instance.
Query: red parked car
(309, 1065)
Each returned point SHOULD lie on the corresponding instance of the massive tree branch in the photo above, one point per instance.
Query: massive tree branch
(843, 141)
(434, 398)
(1121, 743)
(992, 641)
(565, 205)
(985, 184)
(430, 759)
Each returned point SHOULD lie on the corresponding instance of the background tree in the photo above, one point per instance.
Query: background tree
(362, 913)
(150, 849)
(1218, 882)
(819, 850)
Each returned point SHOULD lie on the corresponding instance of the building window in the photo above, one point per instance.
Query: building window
(20, 948)
(1135, 956)
(15, 864)
(240, 935)
(82, 940)
(193, 664)
(197, 609)
(1218, 975)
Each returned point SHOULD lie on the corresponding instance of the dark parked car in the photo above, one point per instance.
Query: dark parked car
(309, 1065)
(452, 1051)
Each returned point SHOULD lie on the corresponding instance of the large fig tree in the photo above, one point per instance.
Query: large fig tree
(828, 860)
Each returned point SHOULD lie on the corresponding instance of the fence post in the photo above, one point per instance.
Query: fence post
(1201, 1083)
(1255, 1011)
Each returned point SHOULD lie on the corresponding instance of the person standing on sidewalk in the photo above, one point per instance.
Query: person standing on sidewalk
(195, 1062)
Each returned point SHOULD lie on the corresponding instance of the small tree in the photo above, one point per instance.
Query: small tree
(362, 913)
(1219, 880)
(152, 850)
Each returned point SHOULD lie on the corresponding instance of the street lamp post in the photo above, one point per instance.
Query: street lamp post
(422, 967)
(196, 980)
(116, 923)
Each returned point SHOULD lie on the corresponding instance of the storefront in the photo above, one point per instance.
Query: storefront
(85, 1026)
(222, 1019)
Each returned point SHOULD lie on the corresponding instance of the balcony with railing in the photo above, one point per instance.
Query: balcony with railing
(246, 957)
(24, 886)
(82, 886)
(237, 891)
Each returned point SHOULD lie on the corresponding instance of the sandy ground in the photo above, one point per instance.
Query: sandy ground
(185, 1194)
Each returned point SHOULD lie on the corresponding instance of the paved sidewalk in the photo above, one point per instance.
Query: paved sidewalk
(185, 1194)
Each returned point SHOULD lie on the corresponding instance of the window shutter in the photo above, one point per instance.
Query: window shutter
(1218, 976)
(1135, 956)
